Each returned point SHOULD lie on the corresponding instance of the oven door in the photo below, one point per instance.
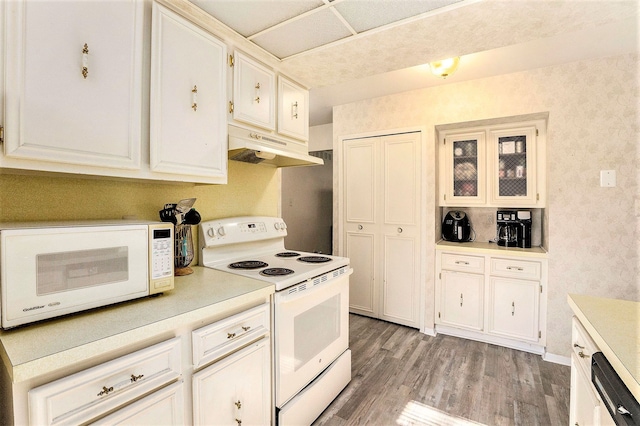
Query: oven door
(311, 331)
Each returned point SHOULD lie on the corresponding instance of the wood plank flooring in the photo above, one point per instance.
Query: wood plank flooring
(403, 377)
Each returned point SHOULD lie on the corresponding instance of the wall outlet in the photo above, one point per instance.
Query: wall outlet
(607, 178)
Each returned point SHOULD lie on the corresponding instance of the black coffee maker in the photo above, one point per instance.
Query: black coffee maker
(507, 229)
(514, 228)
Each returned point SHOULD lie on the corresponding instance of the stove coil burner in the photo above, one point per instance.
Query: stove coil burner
(314, 259)
(288, 254)
(248, 264)
(274, 272)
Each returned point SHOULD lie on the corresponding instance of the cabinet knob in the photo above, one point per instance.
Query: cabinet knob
(231, 335)
(399, 230)
(360, 227)
(105, 390)
(581, 354)
(246, 328)
(135, 378)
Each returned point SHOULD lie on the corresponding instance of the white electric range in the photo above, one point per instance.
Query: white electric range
(312, 362)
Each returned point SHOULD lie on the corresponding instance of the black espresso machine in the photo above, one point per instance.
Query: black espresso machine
(513, 228)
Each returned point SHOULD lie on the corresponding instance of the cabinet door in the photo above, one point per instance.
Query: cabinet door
(363, 296)
(188, 94)
(236, 389)
(254, 88)
(73, 90)
(584, 405)
(461, 300)
(463, 176)
(163, 407)
(400, 224)
(360, 161)
(514, 308)
(293, 109)
(513, 166)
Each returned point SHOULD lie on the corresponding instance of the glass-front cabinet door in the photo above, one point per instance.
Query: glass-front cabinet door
(512, 166)
(464, 173)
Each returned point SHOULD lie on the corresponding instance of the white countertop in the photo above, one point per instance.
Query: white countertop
(614, 325)
(491, 248)
(34, 349)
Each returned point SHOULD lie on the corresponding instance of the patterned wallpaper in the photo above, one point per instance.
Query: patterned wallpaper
(594, 232)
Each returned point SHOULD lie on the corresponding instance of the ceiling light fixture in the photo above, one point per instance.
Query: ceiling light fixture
(444, 67)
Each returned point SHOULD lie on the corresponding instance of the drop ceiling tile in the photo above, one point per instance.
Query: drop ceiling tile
(311, 31)
(249, 17)
(370, 14)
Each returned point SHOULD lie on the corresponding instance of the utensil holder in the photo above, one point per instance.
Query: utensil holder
(183, 250)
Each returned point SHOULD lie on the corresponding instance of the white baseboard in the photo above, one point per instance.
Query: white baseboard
(557, 359)
(429, 331)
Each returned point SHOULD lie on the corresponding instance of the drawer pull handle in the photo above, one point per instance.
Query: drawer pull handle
(135, 378)
(575, 345)
(581, 354)
(461, 262)
(194, 98)
(246, 328)
(239, 422)
(231, 335)
(105, 390)
(238, 404)
(257, 99)
(513, 308)
(515, 268)
(461, 299)
(85, 61)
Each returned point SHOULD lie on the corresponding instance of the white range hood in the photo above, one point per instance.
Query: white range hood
(251, 146)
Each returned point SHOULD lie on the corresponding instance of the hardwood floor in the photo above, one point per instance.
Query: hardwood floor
(403, 377)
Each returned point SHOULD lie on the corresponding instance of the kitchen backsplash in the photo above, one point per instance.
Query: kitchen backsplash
(252, 190)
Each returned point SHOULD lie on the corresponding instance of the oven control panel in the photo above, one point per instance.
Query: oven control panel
(242, 229)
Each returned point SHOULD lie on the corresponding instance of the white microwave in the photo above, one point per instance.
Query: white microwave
(53, 269)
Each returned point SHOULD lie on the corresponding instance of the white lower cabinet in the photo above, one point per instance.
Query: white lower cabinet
(495, 299)
(89, 394)
(235, 390)
(163, 407)
(461, 300)
(227, 364)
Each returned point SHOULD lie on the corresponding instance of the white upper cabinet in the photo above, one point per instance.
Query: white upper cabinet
(254, 92)
(493, 166)
(188, 132)
(73, 90)
(293, 109)
(464, 165)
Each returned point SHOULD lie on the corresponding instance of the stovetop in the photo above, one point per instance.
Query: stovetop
(260, 241)
(268, 266)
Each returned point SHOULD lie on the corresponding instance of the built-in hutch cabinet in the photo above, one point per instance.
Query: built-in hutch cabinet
(493, 165)
(498, 298)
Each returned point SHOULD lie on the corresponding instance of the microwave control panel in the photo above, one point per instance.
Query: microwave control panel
(160, 258)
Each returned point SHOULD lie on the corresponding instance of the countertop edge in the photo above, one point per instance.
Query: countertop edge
(609, 353)
(492, 249)
(76, 354)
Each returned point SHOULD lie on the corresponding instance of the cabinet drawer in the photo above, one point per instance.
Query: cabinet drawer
(457, 262)
(85, 395)
(516, 268)
(582, 346)
(223, 337)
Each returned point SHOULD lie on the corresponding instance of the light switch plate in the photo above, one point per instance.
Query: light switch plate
(607, 178)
